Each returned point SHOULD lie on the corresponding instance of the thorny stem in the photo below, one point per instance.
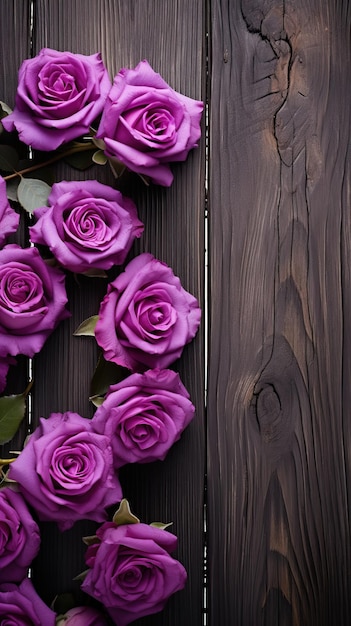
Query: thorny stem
(57, 157)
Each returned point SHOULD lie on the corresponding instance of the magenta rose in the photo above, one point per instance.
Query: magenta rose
(59, 96)
(87, 225)
(19, 537)
(144, 415)
(131, 570)
(9, 219)
(146, 124)
(82, 616)
(20, 605)
(5, 362)
(65, 471)
(146, 317)
(32, 300)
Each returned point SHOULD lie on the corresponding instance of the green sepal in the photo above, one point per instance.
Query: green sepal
(87, 328)
(4, 109)
(161, 525)
(90, 540)
(99, 157)
(4, 112)
(62, 603)
(124, 515)
(12, 412)
(116, 166)
(99, 143)
(97, 400)
(81, 576)
(33, 193)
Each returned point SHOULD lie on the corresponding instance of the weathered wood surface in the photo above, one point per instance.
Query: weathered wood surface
(15, 23)
(279, 450)
(171, 37)
(280, 349)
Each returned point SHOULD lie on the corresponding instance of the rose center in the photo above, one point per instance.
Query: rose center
(155, 317)
(86, 224)
(57, 84)
(20, 290)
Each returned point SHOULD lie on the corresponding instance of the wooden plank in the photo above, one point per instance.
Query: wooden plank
(279, 433)
(171, 37)
(14, 47)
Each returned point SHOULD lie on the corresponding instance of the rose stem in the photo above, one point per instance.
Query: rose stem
(55, 158)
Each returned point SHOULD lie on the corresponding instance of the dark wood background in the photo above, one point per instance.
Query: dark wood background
(276, 75)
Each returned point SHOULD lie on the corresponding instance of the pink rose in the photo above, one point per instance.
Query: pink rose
(20, 605)
(82, 616)
(87, 225)
(146, 124)
(19, 537)
(5, 362)
(9, 219)
(65, 471)
(146, 317)
(32, 300)
(144, 415)
(59, 96)
(131, 570)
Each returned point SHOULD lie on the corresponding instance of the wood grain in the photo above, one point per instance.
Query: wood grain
(172, 38)
(15, 27)
(279, 434)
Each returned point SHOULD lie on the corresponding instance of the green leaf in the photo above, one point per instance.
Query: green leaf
(161, 525)
(8, 158)
(94, 273)
(11, 189)
(124, 515)
(12, 411)
(33, 193)
(87, 327)
(63, 603)
(81, 160)
(99, 157)
(106, 373)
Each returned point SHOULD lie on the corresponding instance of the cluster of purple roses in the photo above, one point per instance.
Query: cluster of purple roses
(68, 469)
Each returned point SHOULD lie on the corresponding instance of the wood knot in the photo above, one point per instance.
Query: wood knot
(279, 399)
(268, 413)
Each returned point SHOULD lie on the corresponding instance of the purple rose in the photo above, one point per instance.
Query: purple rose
(5, 362)
(87, 225)
(19, 537)
(21, 606)
(146, 317)
(65, 471)
(59, 95)
(146, 124)
(82, 616)
(144, 415)
(131, 570)
(9, 219)
(32, 300)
